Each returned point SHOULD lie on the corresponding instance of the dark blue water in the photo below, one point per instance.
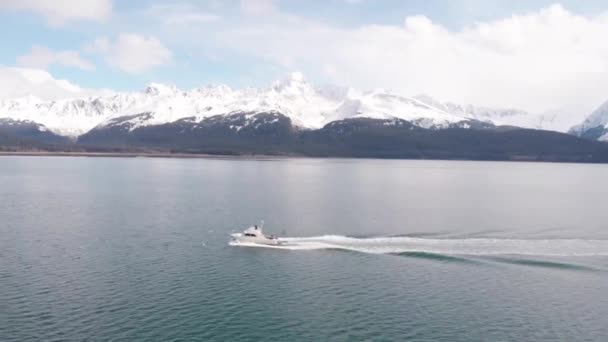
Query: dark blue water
(110, 249)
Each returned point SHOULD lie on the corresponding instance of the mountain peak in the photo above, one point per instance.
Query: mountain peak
(595, 125)
(291, 81)
(157, 89)
(305, 104)
(599, 117)
(431, 101)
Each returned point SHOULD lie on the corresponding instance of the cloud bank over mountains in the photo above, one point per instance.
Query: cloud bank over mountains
(548, 59)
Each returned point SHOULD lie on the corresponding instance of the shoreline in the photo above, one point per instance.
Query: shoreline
(181, 155)
(138, 155)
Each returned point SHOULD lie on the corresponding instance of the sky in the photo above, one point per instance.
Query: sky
(535, 55)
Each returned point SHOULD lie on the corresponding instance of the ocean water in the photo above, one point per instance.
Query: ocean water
(137, 249)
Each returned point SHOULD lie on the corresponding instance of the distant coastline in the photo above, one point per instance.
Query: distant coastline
(178, 155)
(143, 155)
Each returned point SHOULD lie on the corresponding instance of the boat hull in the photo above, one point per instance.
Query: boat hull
(260, 240)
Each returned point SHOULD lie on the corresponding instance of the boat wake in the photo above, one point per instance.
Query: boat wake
(468, 246)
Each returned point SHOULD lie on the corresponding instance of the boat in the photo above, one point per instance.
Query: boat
(255, 235)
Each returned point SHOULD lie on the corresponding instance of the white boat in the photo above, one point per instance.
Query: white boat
(254, 234)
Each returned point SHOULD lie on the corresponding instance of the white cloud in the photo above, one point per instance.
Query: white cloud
(541, 60)
(59, 12)
(42, 57)
(258, 7)
(131, 52)
(182, 14)
(545, 59)
(18, 82)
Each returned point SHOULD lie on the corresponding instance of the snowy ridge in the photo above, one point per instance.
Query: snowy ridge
(554, 120)
(19, 123)
(305, 105)
(68, 110)
(597, 120)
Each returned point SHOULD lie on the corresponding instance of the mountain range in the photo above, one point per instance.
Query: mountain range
(291, 116)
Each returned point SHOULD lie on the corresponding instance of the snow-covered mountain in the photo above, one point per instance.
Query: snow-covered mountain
(71, 111)
(307, 106)
(595, 125)
(289, 117)
(553, 120)
(29, 130)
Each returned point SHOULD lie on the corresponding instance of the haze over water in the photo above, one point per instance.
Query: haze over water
(137, 249)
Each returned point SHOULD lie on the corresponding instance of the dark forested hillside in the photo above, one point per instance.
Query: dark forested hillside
(272, 133)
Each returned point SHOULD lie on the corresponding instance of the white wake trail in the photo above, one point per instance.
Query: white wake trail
(471, 246)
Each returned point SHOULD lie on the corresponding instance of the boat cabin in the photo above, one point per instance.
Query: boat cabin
(254, 231)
